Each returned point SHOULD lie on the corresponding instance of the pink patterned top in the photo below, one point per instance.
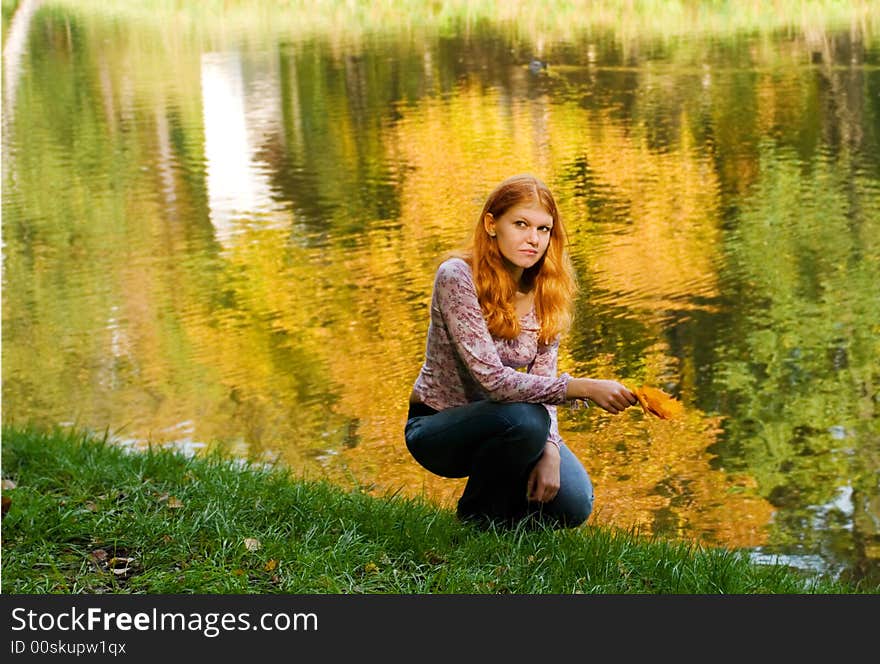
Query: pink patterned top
(465, 363)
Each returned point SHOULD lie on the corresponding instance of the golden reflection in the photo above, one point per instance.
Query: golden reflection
(457, 148)
(651, 475)
(275, 346)
(663, 252)
(642, 467)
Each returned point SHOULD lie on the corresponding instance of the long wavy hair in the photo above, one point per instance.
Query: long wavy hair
(552, 277)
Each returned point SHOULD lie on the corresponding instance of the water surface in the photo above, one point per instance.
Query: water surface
(227, 236)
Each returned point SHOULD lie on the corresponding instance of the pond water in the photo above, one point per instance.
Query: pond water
(223, 232)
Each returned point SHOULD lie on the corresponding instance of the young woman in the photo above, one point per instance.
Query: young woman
(484, 403)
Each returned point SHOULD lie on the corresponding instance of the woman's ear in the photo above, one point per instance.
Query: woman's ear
(489, 224)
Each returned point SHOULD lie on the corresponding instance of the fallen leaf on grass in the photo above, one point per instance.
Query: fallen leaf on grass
(8, 485)
(434, 558)
(271, 565)
(252, 544)
(658, 403)
(99, 555)
(170, 501)
(120, 566)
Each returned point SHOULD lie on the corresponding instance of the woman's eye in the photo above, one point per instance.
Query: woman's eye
(544, 229)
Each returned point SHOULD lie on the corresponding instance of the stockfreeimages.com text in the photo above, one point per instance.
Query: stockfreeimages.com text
(209, 624)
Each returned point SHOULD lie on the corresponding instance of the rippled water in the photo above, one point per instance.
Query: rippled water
(228, 237)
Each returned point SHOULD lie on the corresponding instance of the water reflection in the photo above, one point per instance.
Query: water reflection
(14, 50)
(241, 254)
(238, 187)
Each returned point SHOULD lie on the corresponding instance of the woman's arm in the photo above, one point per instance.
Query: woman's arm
(456, 298)
(545, 364)
(608, 394)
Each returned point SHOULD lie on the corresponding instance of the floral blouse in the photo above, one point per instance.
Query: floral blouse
(465, 363)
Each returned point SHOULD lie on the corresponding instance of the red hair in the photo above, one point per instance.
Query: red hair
(552, 277)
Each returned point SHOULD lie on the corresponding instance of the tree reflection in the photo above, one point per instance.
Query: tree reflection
(210, 239)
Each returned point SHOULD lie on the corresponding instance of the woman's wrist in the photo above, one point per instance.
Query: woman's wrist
(578, 388)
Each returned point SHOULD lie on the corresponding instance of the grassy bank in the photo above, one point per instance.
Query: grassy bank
(85, 516)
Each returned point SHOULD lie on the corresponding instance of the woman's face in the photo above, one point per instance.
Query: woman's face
(522, 233)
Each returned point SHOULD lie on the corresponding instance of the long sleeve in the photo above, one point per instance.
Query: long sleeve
(545, 364)
(456, 298)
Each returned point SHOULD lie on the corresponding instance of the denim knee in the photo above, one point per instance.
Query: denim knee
(577, 510)
(529, 422)
(573, 503)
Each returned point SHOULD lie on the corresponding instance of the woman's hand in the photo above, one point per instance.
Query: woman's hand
(607, 394)
(544, 479)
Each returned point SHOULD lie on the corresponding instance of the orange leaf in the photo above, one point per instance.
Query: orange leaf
(658, 403)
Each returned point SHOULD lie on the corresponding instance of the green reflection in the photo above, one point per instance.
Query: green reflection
(229, 235)
(800, 376)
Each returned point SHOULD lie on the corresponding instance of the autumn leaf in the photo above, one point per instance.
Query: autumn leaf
(8, 485)
(270, 565)
(120, 565)
(252, 544)
(434, 558)
(658, 403)
(174, 503)
(99, 555)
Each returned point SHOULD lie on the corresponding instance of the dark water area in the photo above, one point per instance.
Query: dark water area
(226, 236)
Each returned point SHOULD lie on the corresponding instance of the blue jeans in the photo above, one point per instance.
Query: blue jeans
(496, 445)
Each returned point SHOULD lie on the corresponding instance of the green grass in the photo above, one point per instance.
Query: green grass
(86, 516)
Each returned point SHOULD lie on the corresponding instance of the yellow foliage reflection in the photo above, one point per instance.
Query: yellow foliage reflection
(210, 303)
(655, 476)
